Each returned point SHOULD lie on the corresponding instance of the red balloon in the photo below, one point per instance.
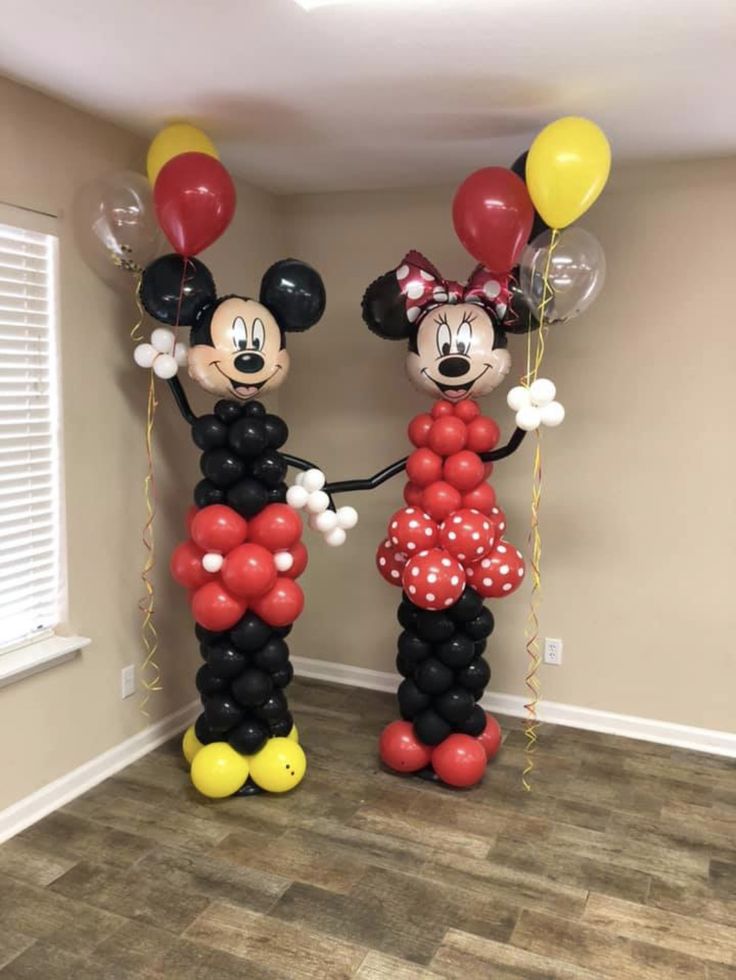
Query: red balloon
(413, 495)
(499, 520)
(301, 557)
(441, 408)
(467, 410)
(493, 217)
(410, 531)
(215, 608)
(468, 535)
(186, 566)
(401, 750)
(490, 737)
(483, 498)
(277, 527)
(194, 198)
(459, 761)
(424, 467)
(487, 470)
(218, 528)
(463, 470)
(439, 500)
(498, 574)
(191, 512)
(281, 605)
(483, 434)
(249, 571)
(389, 563)
(434, 579)
(448, 435)
(419, 429)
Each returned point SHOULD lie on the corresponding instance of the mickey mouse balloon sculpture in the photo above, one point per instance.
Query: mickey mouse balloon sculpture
(446, 547)
(244, 552)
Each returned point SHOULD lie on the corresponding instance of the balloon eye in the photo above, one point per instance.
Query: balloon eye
(464, 337)
(240, 333)
(444, 340)
(259, 334)
(445, 349)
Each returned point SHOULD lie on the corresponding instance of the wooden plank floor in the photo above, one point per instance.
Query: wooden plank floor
(622, 863)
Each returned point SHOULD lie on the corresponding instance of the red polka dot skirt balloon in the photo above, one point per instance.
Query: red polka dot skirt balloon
(447, 549)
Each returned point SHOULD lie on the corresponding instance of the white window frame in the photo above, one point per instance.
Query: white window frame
(45, 648)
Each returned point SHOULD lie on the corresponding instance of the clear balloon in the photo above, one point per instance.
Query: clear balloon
(576, 271)
(115, 226)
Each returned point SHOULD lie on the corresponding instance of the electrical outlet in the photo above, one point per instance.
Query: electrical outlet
(127, 681)
(552, 651)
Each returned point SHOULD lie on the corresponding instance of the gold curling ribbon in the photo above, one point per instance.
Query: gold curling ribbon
(149, 672)
(535, 539)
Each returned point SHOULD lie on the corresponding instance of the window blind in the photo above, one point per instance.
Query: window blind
(30, 512)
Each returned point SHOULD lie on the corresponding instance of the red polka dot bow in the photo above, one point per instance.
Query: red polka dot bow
(423, 287)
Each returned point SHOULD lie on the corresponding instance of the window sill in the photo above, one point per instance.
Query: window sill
(38, 656)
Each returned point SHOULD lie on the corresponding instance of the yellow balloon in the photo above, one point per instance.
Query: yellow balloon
(294, 734)
(567, 168)
(218, 770)
(190, 744)
(173, 140)
(279, 766)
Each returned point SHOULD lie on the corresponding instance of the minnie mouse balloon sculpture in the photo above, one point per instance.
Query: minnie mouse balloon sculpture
(244, 551)
(446, 547)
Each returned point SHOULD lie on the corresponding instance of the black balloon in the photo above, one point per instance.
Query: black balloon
(209, 683)
(228, 410)
(272, 656)
(434, 627)
(456, 652)
(411, 699)
(247, 497)
(176, 290)
(480, 627)
(475, 676)
(222, 467)
(222, 713)
(203, 731)
(455, 705)
(433, 677)
(475, 723)
(209, 432)
(270, 468)
(206, 493)
(294, 292)
(277, 495)
(248, 737)
(283, 676)
(205, 635)
(226, 661)
(283, 631)
(430, 727)
(247, 436)
(281, 727)
(253, 409)
(413, 648)
(252, 687)
(272, 708)
(277, 431)
(404, 665)
(519, 168)
(407, 615)
(250, 633)
(479, 646)
(468, 606)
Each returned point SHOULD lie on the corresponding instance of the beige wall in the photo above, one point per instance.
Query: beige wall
(58, 719)
(638, 520)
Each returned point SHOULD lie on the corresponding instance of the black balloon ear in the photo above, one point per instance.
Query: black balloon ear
(176, 291)
(384, 308)
(294, 292)
(520, 317)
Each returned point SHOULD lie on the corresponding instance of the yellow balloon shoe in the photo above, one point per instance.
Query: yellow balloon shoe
(279, 766)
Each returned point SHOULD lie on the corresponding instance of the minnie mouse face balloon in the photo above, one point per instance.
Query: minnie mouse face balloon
(237, 344)
(456, 333)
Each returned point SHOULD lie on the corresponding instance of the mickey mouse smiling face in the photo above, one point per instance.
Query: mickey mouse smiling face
(238, 344)
(456, 333)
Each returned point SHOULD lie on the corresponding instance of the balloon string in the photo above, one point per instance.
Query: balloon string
(135, 330)
(535, 539)
(150, 673)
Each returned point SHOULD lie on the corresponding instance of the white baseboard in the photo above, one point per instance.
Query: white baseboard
(590, 719)
(22, 814)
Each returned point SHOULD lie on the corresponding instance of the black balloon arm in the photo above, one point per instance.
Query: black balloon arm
(303, 464)
(370, 482)
(511, 446)
(182, 402)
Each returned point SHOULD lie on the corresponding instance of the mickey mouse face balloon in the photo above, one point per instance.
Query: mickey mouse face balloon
(456, 333)
(457, 354)
(238, 345)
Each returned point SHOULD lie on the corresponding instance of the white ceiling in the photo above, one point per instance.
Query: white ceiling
(388, 92)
